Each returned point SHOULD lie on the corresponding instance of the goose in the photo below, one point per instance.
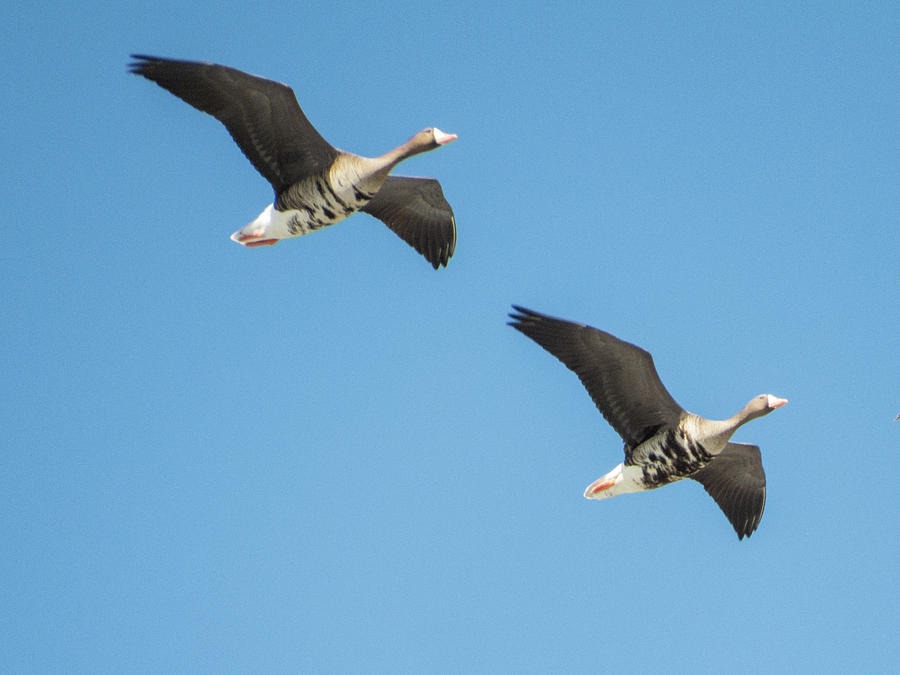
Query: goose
(663, 442)
(316, 185)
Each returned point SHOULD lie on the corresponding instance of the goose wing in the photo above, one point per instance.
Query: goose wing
(736, 481)
(620, 377)
(262, 116)
(415, 209)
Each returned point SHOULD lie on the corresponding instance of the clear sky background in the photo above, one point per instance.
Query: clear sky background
(326, 456)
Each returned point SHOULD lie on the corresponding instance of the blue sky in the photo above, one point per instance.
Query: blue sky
(324, 456)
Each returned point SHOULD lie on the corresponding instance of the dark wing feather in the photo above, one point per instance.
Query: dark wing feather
(416, 210)
(736, 480)
(620, 377)
(262, 116)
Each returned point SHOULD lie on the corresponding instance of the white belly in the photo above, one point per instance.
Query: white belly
(310, 205)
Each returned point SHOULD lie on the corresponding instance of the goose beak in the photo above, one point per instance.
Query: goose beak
(775, 402)
(442, 139)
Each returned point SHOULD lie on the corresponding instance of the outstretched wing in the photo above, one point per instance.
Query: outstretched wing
(416, 210)
(620, 377)
(736, 480)
(262, 116)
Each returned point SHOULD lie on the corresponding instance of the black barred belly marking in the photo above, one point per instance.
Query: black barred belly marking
(668, 457)
(318, 205)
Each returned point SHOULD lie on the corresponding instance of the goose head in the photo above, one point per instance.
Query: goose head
(761, 405)
(440, 138)
(425, 140)
(429, 139)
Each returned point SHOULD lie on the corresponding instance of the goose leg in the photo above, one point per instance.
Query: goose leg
(597, 489)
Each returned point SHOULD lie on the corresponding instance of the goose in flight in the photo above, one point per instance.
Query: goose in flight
(663, 442)
(315, 184)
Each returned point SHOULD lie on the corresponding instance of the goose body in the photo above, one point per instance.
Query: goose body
(315, 184)
(663, 442)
